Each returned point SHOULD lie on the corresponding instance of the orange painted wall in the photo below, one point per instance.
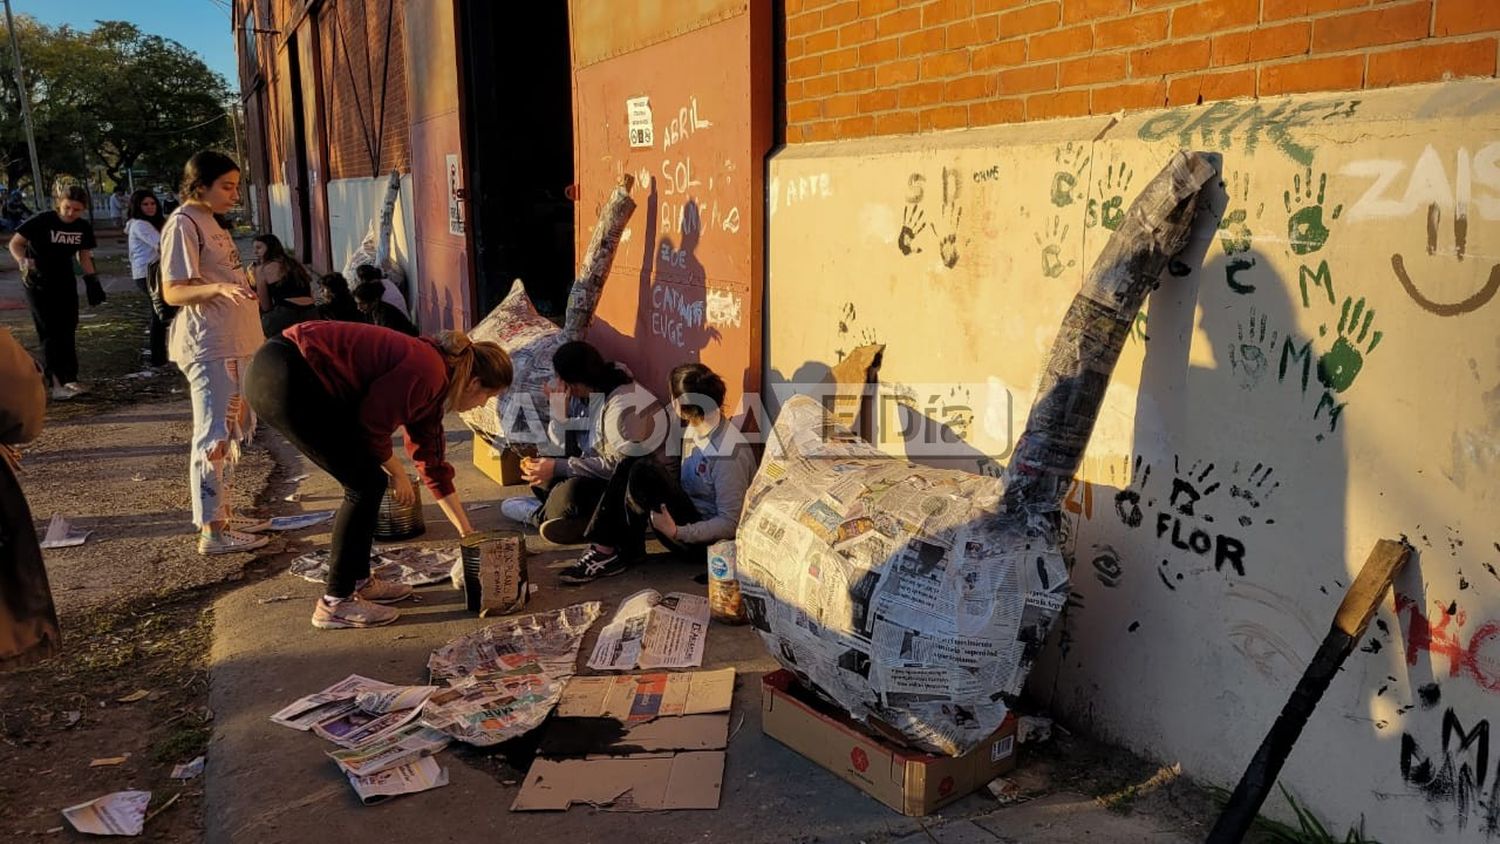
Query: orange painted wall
(687, 282)
(445, 291)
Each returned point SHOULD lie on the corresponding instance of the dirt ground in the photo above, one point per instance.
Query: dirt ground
(133, 601)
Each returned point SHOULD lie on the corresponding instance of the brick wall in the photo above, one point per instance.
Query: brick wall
(856, 68)
(364, 83)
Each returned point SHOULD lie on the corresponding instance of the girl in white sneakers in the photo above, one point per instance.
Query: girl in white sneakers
(211, 339)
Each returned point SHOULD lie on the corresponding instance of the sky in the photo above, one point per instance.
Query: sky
(200, 25)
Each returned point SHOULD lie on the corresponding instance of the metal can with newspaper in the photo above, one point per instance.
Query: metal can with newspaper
(397, 522)
(724, 602)
(494, 572)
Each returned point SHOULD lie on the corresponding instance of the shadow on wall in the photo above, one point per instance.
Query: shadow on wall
(671, 307)
(1189, 514)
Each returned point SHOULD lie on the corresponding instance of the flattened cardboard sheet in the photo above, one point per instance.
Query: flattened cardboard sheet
(642, 697)
(641, 783)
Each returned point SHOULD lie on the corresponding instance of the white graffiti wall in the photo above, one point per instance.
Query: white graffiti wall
(1320, 370)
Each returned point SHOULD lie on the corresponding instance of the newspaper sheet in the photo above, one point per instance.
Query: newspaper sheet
(333, 702)
(651, 630)
(357, 726)
(504, 679)
(61, 534)
(412, 566)
(120, 813)
(896, 590)
(398, 748)
(381, 701)
(421, 775)
(503, 705)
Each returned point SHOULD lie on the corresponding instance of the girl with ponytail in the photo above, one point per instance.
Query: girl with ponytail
(320, 382)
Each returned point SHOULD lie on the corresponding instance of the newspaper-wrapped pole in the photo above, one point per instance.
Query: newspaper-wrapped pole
(375, 249)
(519, 416)
(1093, 332)
(584, 296)
(387, 216)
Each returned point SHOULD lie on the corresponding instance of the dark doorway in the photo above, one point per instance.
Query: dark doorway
(301, 201)
(518, 122)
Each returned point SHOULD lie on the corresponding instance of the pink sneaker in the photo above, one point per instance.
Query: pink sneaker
(352, 612)
(380, 591)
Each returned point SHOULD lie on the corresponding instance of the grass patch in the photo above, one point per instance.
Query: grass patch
(181, 744)
(1309, 830)
(110, 339)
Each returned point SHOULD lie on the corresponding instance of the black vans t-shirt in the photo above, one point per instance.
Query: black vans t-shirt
(54, 243)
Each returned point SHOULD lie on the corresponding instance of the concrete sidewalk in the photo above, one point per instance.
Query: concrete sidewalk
(268, 784)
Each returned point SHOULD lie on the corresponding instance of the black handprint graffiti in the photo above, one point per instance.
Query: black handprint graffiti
(1250, 358)
(912, 224)
(952, 214)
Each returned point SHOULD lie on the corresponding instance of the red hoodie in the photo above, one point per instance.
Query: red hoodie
(395, 380)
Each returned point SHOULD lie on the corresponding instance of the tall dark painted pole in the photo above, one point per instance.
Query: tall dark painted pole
(1349, 624)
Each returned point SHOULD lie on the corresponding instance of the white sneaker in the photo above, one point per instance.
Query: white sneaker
(61, 394)
(248, 524)
(76, 389)
(229, 542)
(520, 508)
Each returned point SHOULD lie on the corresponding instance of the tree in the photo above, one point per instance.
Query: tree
(112, 97)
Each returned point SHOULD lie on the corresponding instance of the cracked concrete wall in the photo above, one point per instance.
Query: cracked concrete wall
(1321, 370)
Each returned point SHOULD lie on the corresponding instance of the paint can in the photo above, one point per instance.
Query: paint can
(494, 571)
(396, 522)
(724, 601)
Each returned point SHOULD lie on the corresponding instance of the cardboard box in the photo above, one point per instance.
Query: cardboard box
(503, 466)
(634, 743)
(911, 782)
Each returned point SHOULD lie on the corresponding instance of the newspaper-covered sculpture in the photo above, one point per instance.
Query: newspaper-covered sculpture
(375, 249)
(519, 415)
(917, 598)
(503, 680)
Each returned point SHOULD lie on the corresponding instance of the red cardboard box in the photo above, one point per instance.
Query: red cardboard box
(911, 782)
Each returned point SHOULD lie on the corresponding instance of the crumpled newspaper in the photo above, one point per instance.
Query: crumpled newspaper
(504, 679)
(412, 566)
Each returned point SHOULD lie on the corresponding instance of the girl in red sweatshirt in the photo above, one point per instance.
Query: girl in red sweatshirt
(338, 391)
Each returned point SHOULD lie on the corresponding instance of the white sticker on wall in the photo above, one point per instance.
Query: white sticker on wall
(455, 196)
(638, 110)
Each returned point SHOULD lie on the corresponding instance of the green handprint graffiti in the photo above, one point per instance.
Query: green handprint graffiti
(1236, 237)
(1071, 161)
(1306, 230)
(1340, 365)
(1050, 238)
(1111, 212)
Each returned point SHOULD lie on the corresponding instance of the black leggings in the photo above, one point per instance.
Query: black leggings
(286, 393)
(619, 509)
(54, 311)
(158, 329)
